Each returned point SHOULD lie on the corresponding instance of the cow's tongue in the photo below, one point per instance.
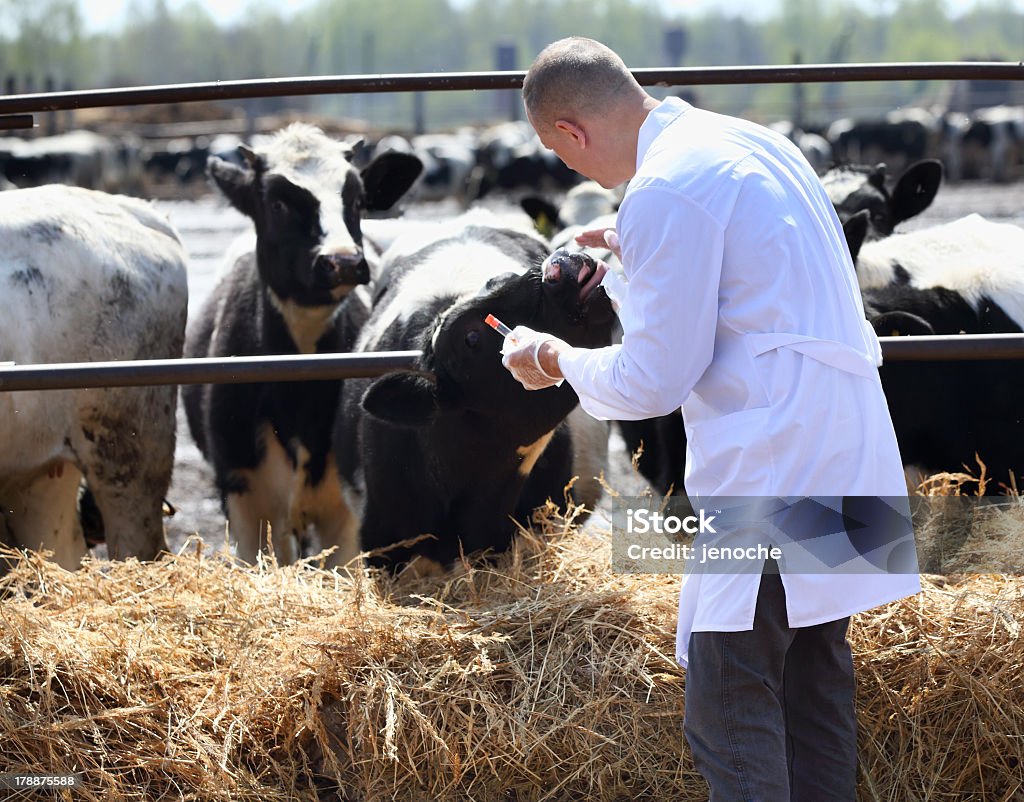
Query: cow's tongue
(589, 280)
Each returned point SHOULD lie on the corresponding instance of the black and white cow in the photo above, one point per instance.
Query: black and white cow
(457, 448)
(993, 144)
(585, 205)
(900, 137)
(963, 277)
(511, 157)
(87, 277)
(269, 443)
(854, 188)
(658, 445)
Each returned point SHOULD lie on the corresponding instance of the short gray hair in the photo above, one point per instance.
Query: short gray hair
(574, 76)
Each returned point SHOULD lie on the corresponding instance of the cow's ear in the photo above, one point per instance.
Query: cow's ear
(876, 176)
(388, 177)
(856, 229)
(404, 399)
(543, 213)
(237, 183)
(900, 324)
(916, 189)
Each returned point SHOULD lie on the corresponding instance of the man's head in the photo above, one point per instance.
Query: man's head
(587, 107)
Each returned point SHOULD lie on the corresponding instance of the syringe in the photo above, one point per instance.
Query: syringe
(498, 326)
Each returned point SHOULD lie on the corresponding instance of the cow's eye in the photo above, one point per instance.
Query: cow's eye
(279, 207)
(472, 338)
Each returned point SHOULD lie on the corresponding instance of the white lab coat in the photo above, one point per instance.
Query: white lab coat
(742, 306)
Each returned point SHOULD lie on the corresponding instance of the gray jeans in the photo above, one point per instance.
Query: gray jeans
(770, 713)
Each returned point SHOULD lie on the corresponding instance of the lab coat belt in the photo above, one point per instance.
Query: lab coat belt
(829, 352)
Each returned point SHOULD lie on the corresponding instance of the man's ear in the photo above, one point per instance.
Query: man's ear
(578, 135)
(405, 398)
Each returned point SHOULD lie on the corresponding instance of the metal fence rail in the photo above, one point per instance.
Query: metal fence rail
(459, 81)
(228, 370)
(239, 370)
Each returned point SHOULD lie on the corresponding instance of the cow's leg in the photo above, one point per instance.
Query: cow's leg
(336, 526)
(124, 445)
(248, 525)
(258, 519)
(320, 510)
(41, 512)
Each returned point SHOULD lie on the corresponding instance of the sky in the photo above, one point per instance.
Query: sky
(103, 15)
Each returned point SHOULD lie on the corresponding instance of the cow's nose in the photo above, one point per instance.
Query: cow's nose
(336, 269)
(562, 265)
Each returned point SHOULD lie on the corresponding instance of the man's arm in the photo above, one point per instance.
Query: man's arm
(672, 255)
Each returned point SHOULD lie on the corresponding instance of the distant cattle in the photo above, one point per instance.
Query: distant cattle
(963, 277)
(87, 277)
(457, 449)
(584, 205)
(898, 138)
(993, 144)
(79, 158)
(448, 161)
(510, 157)
(269, 444)
(815, 147)
(854, 188)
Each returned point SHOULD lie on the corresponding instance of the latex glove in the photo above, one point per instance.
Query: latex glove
(519, 356)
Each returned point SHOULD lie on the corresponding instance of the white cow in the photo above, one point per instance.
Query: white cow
(86, 277)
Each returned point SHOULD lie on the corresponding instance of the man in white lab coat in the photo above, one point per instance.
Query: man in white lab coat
(741, 307)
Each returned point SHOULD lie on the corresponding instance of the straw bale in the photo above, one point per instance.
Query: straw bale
(541, 675)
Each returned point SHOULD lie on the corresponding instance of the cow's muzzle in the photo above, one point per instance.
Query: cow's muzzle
(575, 266)
(341, 269)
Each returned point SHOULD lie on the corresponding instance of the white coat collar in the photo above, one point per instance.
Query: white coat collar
(658, 119)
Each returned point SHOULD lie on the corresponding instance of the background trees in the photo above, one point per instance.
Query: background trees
(158, 44)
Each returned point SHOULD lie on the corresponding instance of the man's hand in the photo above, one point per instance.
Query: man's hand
(532, 358)
(600, 238)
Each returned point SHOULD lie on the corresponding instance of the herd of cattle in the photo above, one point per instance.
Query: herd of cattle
(440, 460)
(470, 163)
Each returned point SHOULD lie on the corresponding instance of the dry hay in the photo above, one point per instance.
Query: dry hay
(544, 676)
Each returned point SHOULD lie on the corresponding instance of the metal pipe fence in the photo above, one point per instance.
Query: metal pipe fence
(512, 79)
(16, 110)
(225, 370)
(240, 370)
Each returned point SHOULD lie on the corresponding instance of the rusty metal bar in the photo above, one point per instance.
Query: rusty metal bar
(938, 348)
(459, 81)
(239, 370)
(229, 370)
(14, 122)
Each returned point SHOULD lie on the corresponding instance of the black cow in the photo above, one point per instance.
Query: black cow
(586, 205)
(269, 444)
(511, 157)
(854, 188)
(901, 137)
(993, 144)
(458, 449)
(963, 277)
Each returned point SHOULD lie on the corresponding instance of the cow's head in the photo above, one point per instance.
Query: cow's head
(307, 200)
(462, 368)
(857, 188)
